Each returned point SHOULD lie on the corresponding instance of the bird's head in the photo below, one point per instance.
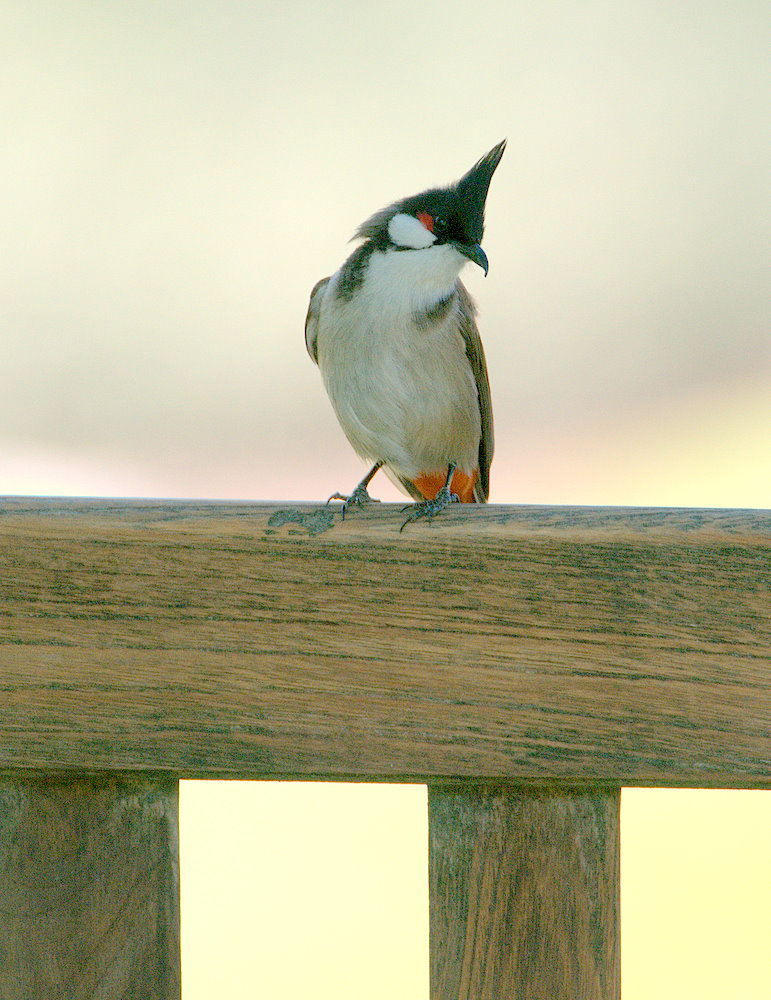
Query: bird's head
(453, 216)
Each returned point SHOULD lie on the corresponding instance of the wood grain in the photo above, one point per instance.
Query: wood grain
(524, 894)
(504, 643)
(89, 889)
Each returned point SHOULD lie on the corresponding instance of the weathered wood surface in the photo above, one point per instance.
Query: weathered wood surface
(89, 889)
(524, 894)
(507, 643)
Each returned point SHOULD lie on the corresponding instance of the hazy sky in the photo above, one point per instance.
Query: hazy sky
(176, 177)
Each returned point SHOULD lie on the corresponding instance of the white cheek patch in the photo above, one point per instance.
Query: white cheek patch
(406, 231)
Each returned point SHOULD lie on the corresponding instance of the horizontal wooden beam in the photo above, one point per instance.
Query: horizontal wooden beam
(521, 644)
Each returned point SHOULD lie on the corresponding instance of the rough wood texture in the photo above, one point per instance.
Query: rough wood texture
(89, 889)
(507, 643)
(523, 894)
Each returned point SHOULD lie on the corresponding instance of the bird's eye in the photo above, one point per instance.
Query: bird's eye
(440, 223)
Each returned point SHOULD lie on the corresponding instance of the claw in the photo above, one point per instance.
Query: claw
(358, 498)
(430, 508)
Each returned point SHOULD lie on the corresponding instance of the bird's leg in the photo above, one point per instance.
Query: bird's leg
(359, 496)
(430, 508)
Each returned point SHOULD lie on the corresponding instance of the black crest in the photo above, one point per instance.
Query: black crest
(471, 193)
(462, 205)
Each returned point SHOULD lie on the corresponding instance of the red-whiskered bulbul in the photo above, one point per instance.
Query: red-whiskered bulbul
(394, 336)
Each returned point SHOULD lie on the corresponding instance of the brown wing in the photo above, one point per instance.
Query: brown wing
(312, 319)
(476, 356)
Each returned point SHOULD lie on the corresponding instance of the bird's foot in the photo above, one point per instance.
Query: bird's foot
(358, 498)
(430, 508)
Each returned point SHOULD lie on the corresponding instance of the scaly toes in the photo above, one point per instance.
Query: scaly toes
(430, 508)
(358, 498)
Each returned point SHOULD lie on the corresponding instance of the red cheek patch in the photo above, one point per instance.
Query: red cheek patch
(427, 220)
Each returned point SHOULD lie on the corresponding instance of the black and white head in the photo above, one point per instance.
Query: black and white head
(451, 218)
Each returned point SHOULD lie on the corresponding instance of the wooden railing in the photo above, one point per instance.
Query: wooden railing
(523, 662)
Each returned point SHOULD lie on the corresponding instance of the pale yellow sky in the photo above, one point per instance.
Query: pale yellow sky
(176, 177)
(320, 891)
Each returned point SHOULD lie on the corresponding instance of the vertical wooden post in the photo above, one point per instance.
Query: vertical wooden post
(524, 894)
(89, 888)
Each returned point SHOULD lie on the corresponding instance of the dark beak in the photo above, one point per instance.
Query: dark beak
(474, 253)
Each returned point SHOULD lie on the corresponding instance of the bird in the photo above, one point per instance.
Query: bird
(393, 332)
